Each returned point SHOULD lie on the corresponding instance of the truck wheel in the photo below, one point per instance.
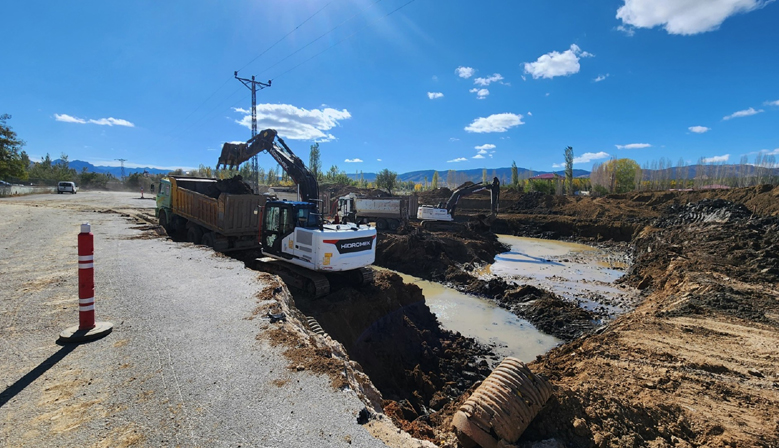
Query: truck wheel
(381, 224)
(194, 235)
(163, 219)
(208, 239)
(393, 224)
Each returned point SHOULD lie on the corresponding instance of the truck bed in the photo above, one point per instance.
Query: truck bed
(228, 214)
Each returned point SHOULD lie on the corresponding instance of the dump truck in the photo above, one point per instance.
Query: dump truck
(213, 212)
(387, 213)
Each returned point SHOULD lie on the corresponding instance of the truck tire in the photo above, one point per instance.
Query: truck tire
(208, 240)
(393, 224)
(163, 220)
(381, 224)
(194, 234)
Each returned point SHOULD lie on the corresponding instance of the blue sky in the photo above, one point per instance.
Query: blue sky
(425, 84)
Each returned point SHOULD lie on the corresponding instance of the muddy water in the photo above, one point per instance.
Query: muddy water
(484, 321)
(577, 272)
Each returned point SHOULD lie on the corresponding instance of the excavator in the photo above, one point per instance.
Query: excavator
(441, 217)
(311, 251)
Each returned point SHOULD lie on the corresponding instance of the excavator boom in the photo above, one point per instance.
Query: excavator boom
(234, 154)
(494, 187)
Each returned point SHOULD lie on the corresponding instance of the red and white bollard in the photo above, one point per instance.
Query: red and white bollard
(87, 328)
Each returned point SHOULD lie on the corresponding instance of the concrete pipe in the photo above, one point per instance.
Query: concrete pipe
(502, 407)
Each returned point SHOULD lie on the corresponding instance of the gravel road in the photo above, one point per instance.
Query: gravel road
(183, 366)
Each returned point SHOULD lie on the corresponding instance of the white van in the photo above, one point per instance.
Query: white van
(66, 187)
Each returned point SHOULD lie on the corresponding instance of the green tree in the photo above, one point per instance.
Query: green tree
(514, 174)
(569, 170)
(434, 181)
(616, 176)
(314, 162)
(387, 180)
(14, 162)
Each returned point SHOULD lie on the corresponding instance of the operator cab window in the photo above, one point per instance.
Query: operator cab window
(307, 219)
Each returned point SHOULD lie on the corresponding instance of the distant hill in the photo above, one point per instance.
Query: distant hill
(474, 175)
(115, 171)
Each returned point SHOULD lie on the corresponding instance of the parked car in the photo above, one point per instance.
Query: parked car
(4, 184)
(66, 187)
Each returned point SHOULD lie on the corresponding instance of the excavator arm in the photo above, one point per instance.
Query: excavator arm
(234, 154)
(467, 190)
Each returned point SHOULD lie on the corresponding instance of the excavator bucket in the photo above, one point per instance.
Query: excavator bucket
(233, 154)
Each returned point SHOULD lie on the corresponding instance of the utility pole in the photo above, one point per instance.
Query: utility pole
(121, 163)
(252, 85)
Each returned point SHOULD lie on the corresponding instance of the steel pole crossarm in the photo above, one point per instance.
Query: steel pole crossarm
(246, 82)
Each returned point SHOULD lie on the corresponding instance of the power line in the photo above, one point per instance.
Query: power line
(345, 38)
(285, 36)
(323, 35)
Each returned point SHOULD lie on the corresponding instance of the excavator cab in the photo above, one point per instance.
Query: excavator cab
(279, 221)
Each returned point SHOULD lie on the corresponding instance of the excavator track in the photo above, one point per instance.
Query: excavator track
(313, 283)
(442, 226)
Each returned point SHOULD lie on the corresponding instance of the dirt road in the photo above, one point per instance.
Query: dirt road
(187, 363)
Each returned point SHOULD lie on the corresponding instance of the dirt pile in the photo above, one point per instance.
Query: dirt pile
(388, 329)
(429, 255)
(695, 363)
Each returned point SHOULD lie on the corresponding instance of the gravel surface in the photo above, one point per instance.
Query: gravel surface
(183, 366)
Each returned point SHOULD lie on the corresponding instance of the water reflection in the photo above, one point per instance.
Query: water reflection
(484, 321)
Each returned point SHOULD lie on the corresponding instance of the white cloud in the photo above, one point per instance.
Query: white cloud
(464, 72)
(478, 156)
(590, 156)
(585, 158)
(378, 160)
(699, 129)
(629, 30)
(601, 78)
(743, 113)
(772, 103)
(557, 64)
(68, 119)
(459, 159)
(484, 147)
(484, 82)
(716, 159)
(530, 114)
(633, 146)
(435, 78)
(683, 16)
(110, 121)
(353, 160)
(495, 123)
(480, 93)
(296, 123)
(434, 95)
(452, 139)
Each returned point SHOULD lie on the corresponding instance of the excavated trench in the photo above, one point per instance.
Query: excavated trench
(424, 371)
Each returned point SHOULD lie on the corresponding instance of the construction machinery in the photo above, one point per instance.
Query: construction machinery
(441, 217)
(294, 232)
(213, 212)
(387, 213)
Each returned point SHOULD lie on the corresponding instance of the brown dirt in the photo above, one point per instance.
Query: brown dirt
(388, 329)
(695, 363)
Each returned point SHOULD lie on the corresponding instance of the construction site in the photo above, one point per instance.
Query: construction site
(650, 319)
(465, 278)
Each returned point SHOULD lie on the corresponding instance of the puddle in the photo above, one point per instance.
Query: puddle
(484, 321)
(578, 272)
